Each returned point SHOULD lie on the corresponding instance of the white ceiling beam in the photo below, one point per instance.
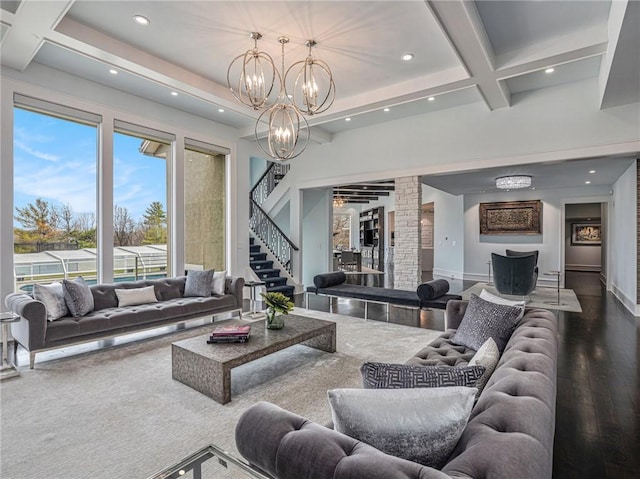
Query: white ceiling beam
(30, 25)
(462, 25)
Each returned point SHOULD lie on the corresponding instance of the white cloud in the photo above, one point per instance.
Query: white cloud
(38, 154)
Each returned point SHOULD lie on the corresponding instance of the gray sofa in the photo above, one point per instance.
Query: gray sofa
(36, 334)
(509, 434)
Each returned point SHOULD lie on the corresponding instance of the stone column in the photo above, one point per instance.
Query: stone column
(407, 251)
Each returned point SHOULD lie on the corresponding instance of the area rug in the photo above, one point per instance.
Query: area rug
(118, 413)
(540, 297)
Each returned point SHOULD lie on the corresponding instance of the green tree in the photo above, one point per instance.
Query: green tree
(39, 218)
(155, 224)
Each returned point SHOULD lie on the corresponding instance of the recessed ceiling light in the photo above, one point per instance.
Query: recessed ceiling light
(220, 110)
(174, 93)
(140, 20)
(592, 171)
(407, 57)
(113, 72)
(587, 182)
(431, 98)
(347, 119)
(550, 70)
(386, 109)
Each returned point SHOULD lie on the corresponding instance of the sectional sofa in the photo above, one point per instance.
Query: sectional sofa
(35, 333)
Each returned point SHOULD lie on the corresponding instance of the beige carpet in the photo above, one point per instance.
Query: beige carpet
(540, 297)
(118, 413)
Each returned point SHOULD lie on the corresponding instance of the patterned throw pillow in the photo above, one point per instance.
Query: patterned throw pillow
(483, 320)
(398, 376)
(78, 297)
(199, 283)
(487, 356)
(52, 295)
(420, 424)
(492, 298)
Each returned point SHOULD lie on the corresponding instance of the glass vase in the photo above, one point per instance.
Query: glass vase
(274, 320)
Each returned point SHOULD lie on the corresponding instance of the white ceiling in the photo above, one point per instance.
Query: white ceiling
(465, 52)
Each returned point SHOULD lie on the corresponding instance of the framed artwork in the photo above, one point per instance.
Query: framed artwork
(586, 234)
(511, 218)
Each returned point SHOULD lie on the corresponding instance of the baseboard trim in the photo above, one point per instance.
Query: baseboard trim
(626, 301)
(445, 273)
(583, 267)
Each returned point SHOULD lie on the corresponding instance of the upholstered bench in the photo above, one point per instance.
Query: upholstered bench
(432, 294)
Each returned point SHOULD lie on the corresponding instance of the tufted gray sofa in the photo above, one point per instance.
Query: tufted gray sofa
(509, 434)
(36, 334)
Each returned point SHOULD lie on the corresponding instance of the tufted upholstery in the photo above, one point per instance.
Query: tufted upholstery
(509, 434)
(35, 333)
(442, 352)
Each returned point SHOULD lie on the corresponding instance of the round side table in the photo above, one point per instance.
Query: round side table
(7, 369)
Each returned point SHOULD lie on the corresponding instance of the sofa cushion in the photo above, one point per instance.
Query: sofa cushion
(483, 320)
(135, 296)
(218, 285)
(77, 296)
(421, 424)
(199, 283)
(433, 289)
(441, 351)
(487, 356)
(52, 295)
(326, 280)
(398, 376)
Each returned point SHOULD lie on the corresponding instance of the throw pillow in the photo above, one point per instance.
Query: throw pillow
(219, 278)
(398, 376)
(483, 320)
(78, 297)
(487, 356)
(326, 280)
(421, 425)
(432, 289)
(487, 296)
(52, 295)
(199, 283)
(135, 296)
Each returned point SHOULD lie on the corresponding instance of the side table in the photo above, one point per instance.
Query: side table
(253, 301)
(7, 369)
(557, 274)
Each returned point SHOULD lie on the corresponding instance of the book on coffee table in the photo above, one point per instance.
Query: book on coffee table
(227, 339)
(232, 330)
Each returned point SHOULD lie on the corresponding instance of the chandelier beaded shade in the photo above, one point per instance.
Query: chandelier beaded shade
(313, 87)
(256, 77)
(513, 182)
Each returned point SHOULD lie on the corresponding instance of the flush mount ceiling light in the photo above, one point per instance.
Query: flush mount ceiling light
(255, 78)
(513, 182)
(313, 88)
(288, 131)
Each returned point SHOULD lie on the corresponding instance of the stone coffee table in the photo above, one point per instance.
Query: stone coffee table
(207, 367)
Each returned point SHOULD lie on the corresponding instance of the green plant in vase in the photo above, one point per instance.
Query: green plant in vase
(278, 305)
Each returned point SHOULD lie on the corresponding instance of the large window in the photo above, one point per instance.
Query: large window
(54, 198)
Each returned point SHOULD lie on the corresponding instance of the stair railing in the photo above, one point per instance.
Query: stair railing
(275, 240)
(268, 181)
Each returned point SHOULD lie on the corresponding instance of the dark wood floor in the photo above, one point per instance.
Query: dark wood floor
(598, 402)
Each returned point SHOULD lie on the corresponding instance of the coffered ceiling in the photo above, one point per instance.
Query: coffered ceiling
(464, 52)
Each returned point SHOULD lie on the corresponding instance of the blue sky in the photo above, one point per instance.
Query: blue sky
(56, 160)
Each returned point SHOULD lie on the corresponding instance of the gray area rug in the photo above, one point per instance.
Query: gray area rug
(540, 297)
(118, 413)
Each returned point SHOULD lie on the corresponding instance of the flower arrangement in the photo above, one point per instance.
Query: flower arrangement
(277, 305)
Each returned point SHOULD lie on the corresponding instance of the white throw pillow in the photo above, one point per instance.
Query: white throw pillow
(52, 295)
(219, 278)
(422, 425)
(492, 298)
(488, 356)
(135, 296)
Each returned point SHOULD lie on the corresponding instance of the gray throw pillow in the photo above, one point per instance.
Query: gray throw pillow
(422, 425)
(487, 356)
(78, 297)
(483, 320)
(52, 295)
(398, 376)
(199, 283)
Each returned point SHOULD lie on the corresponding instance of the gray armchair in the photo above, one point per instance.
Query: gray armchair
(511, 252)
(515, 275)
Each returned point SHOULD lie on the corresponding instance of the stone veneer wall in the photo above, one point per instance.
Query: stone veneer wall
(407, 251)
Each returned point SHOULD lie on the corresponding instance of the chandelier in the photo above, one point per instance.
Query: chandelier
(313, 91)
(513, 182)
(339, 202)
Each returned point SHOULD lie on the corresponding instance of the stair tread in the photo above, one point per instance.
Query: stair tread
(281, 289)
(277, 279)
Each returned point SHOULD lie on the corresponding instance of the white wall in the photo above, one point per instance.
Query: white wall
(448, 232)
(317, 223)
(478, 249)
(623, 241)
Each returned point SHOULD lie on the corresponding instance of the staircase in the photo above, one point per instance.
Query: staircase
(266, 272)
